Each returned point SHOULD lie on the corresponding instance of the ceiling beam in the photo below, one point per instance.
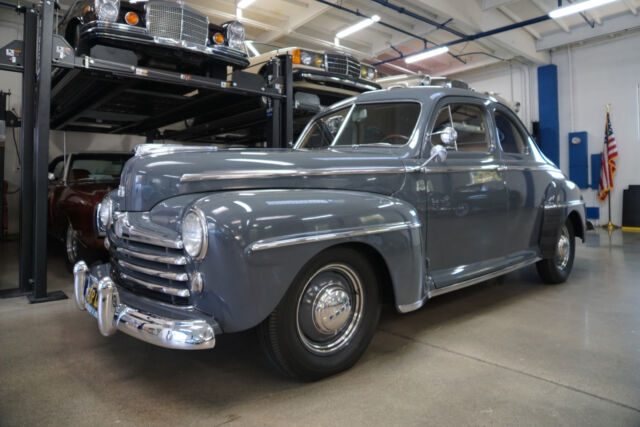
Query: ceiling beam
(295, 20)
(631, 6)
(583, 33)
(472, 19)
(492, 4)
(559, 22)
(516, 18)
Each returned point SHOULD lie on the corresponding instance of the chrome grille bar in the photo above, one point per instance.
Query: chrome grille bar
(155, 287)
(168, 20)
(180, 277)
(167, 259)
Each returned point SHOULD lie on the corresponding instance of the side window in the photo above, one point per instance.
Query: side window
(324, 130)
(469, 121)
(509, 134)
(58, 169)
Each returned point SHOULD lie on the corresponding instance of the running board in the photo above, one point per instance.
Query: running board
(469, 282)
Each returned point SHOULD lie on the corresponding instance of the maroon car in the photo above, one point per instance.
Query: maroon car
(77, 184)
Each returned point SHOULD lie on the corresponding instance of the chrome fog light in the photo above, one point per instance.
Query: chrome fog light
(194, 234)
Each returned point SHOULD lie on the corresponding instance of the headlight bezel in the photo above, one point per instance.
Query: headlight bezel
(308, 58)
(104, 215)
(99, 7)
(234, 35)
(202, 227)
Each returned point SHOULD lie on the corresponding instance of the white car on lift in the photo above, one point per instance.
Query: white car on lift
(318, 77)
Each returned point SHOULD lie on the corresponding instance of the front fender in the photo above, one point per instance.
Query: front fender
(260, 240)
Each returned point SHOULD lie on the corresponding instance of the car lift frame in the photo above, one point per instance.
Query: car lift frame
(21, 56)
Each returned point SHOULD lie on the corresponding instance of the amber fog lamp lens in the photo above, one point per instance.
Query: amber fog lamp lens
(318, 61)
(218, 38)
(87, 9)
(131, 18)
(295, 57)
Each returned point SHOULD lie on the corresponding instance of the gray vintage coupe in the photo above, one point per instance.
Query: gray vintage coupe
(406, 193)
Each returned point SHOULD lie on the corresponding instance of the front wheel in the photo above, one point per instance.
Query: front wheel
(72, 246)
(557, 269)
(326, 319)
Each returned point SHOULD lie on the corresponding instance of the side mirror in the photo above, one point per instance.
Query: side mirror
(438, 153)
(51, 176)
(449, 135)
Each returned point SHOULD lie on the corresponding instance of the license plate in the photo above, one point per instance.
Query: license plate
(91, 295)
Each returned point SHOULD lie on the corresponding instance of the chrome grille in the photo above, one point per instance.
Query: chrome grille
(146, 263)
(168, 20)
(343, 64)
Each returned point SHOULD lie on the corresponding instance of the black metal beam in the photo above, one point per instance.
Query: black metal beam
(424, 19)
(472, 37)
(41, 165)
(30, 31)
(3, 118)
(287, 109)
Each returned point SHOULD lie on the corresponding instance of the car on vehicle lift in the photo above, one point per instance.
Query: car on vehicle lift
(77, 185)
(319, 78)
(304, 244)
(154, 33)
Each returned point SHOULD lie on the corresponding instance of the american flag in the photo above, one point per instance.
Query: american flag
(608, 165)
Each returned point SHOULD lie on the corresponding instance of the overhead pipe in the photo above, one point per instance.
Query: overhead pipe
(384, 24)
(414, 15)
(477, 36)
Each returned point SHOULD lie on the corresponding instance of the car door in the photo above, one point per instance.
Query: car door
(466, 195)
(521, 168)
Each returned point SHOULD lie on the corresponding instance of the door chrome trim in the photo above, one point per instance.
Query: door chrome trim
(460, 285)
(273, 173)
(291, 240)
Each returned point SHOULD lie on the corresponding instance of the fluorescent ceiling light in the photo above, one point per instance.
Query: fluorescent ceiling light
(336, 41)
(356, 27)
(577, 7)
(238, 13)
(252, 48)
(243, 4)
(428, 54)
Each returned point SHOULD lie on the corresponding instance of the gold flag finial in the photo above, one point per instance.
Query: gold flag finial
(608, 107)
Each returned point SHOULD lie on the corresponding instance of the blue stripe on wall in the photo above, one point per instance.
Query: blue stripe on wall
(548, 112)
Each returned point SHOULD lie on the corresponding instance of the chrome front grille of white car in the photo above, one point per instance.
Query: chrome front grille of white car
(168, 20)
(148, 261)
(343, 64)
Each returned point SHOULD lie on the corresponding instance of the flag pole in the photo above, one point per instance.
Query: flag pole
(610, 227)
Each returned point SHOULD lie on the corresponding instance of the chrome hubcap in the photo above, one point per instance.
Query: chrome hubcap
(71, 244)
(563, 248)
(330, 309)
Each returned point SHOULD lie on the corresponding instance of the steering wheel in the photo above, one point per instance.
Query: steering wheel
(394, 136)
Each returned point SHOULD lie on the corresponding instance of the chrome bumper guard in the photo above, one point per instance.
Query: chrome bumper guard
(113, 316)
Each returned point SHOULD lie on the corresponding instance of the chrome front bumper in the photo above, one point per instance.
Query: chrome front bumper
(112, 315)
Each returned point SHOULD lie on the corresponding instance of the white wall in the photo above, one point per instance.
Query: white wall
(11, 29)
(589, 77)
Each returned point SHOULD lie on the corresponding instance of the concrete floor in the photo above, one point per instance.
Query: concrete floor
(510, 351)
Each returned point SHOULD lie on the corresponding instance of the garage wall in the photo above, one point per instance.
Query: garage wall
(589, 77)
(11, 29)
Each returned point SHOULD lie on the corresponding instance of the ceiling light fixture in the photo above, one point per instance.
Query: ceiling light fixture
(356, 27)
(577, 8)
(243, 4)
(424, 55)
(238, 13)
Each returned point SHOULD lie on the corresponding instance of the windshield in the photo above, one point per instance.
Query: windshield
(256, 49)
(96, 168)
(386, 124)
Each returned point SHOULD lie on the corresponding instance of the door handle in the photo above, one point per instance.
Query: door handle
(501, 168)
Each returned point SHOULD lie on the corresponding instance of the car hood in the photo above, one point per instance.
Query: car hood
(150, 179)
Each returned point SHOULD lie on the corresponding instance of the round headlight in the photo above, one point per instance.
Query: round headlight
(371, 74)
(194, 234)
(235, 35)
(107, 10)
(305, 57)
(105, 211)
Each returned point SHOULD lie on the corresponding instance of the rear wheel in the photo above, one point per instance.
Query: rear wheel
(326, 319)
(558, 268)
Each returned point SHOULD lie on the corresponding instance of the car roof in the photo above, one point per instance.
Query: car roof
(424, 94)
